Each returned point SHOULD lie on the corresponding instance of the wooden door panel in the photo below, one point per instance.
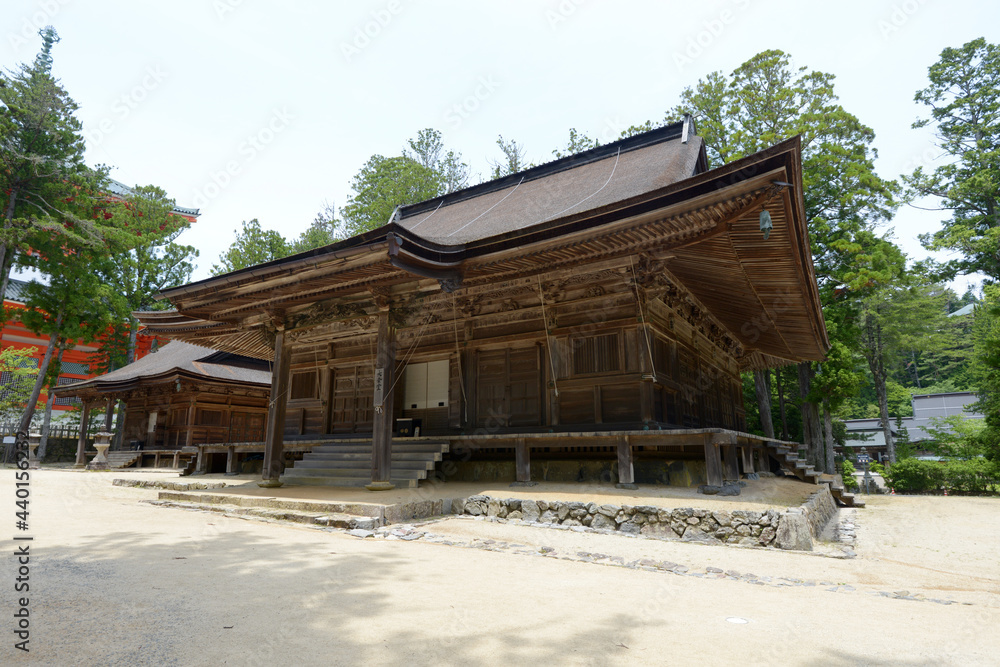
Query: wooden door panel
(508, 388)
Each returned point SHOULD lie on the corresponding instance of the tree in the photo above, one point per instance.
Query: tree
(428, 150)
(956, 436)
(513, 159)
(138, 274)
(382, 185)
(324, 230)
(964, 97)
(987, 334)
(72, 306)
(253, 245)
(18, 369)
(578, 142)
(48, 190)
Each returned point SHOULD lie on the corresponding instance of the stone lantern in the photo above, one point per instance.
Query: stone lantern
(102, 441)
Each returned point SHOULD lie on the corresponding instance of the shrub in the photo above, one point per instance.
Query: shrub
(850, 483)
(877, 469)
(913, 476)
(972, 476)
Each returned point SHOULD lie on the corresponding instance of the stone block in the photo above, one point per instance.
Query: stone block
(793, 532)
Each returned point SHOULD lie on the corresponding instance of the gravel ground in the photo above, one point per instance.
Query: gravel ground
(115, 581)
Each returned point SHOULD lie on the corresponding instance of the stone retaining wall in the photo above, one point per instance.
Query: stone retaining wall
(793, 528)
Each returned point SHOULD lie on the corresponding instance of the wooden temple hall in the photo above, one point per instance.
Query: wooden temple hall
(587, 318)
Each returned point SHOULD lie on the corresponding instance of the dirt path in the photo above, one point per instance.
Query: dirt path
(119, 582)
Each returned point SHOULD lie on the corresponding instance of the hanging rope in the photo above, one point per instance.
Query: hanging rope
(406, 358)
(642, 319)
(548, 339)
(458, 356)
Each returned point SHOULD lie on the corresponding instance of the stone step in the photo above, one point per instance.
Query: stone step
(312, 506)
(362, 448)
(363, 464)
(291, 478)
(367, 456)
(333, 520)
(360, 473)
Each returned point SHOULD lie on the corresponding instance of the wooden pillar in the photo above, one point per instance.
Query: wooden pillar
(274, 438)
(730, 466)
(626, 471)
(192, 411)
(201, 463)
(156, 460)
(230, 460)
(522, 461)
(177, 459)
(747, 454)
(385, 363)
(109, 415)
(713, 461)
(81, 443)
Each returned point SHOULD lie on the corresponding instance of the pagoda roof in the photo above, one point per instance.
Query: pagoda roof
(174, 361)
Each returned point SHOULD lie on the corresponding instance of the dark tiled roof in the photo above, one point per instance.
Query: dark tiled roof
(559, 189)
(15, 290)
(178, 356)
(121, 190)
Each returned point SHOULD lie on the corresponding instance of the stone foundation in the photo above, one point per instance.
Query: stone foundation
(668, 473)
(793, 528)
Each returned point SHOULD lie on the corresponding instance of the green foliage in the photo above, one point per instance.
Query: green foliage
(987, 351)
(964, 100)
(324, 230)
(46, 190)
(877, 468)
(253, 245)
(136, 275)
(956, 436)
(847, 474)
(20, 370)
(384, 184)
(976, 476)
(513, 159)
(428, 150)
(913, 476)
(578, 142)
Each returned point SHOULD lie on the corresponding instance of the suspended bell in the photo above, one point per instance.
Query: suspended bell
(765, 223)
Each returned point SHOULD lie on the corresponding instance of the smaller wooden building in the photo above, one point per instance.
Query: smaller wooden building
(180, 396)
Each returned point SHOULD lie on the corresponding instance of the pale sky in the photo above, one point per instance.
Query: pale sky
(264, 109)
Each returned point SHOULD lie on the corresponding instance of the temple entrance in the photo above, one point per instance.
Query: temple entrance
(508, 392)
(351, 395)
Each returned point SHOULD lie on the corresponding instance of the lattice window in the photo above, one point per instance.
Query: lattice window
(73, 368)
(305, 385)
(597, 354)
(68, 400)
(210, 418)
